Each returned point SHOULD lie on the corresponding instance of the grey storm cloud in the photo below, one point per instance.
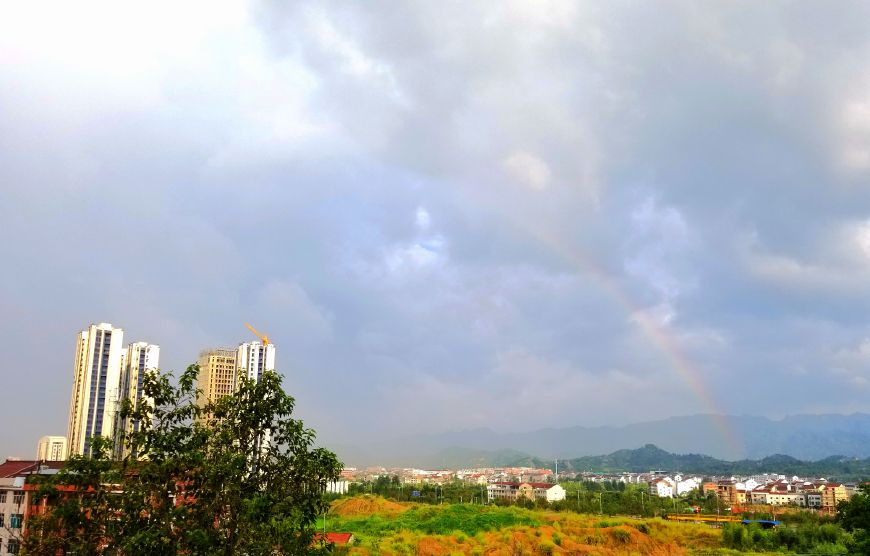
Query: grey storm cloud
(446, 215)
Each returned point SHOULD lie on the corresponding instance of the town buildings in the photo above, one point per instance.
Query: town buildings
(818, 494)
(677, 486)
(513, 491)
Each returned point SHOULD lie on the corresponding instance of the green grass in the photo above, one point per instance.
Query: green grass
(437, 520)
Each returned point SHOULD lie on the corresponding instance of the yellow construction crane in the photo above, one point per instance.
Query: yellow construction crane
(258, 335)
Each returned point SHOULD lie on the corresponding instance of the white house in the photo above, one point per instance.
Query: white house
(687, 485)
(662, 487)
(337, 487)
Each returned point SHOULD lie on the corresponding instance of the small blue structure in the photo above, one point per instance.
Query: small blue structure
(765, 523)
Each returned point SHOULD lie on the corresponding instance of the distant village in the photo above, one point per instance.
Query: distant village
(512, 483)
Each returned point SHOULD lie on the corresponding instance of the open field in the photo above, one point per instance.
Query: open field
(386, 528)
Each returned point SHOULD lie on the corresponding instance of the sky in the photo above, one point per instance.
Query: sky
(446, 215)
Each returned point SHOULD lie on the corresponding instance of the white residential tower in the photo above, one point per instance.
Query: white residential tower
(254, 358)
(139, 358)
(96, 380)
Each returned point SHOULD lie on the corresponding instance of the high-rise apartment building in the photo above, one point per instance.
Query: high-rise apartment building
(254, 358)
(96, 381)
(217, 374)
(138, 358)
(51, 448)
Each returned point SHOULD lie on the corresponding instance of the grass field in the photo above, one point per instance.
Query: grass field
(384, 528)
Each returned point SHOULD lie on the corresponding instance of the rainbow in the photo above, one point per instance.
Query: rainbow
(657, 335)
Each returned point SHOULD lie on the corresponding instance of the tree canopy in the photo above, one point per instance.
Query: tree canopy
(854, 515)
(237, 475)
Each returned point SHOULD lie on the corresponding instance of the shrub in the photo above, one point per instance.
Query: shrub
(642, 527)
(621, 536)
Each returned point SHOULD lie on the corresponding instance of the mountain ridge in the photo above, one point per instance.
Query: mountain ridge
(804, 437)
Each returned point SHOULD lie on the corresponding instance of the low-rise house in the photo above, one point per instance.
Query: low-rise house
(337, 487)
(12, 510)
(13, 499)
(687, 485)
(832, 494)
(662, 487)
(731, 493)
(513, 491)
(813, 499)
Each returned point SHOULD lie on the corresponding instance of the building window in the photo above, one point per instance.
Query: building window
(15, 521)
(13, 547)
(2, 496)
(18, 498)
(2, 520)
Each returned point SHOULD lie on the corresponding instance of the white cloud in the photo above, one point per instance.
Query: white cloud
(528, 169)
(852, 364)
(402, 259)
(837, 262)
(658, 243)
(422, 219)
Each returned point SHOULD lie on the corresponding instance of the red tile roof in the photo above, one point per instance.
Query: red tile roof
(541, 485)
(335, 538)
(16, 468)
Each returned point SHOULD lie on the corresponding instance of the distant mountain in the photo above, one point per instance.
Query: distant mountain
(651, 457)
(804, 437)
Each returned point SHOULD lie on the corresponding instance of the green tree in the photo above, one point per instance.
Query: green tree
(236, 476)
(83, 499)
(854, 516)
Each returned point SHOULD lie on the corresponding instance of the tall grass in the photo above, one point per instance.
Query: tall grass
(438, 520)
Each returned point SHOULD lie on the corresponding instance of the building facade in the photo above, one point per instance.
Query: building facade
(662, 487)
(137, 359)
(51, 448)
(12, 509)
(95, 390)
(217, 374)
(14, 499)
(255, 358)
(831, 495)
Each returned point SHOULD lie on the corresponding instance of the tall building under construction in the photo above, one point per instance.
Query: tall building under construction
(217, 374)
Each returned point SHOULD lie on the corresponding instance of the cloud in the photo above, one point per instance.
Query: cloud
(442, 205)
(528, 170)
(422, 219)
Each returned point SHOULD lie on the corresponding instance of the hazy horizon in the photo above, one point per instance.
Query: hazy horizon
(511, 215)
